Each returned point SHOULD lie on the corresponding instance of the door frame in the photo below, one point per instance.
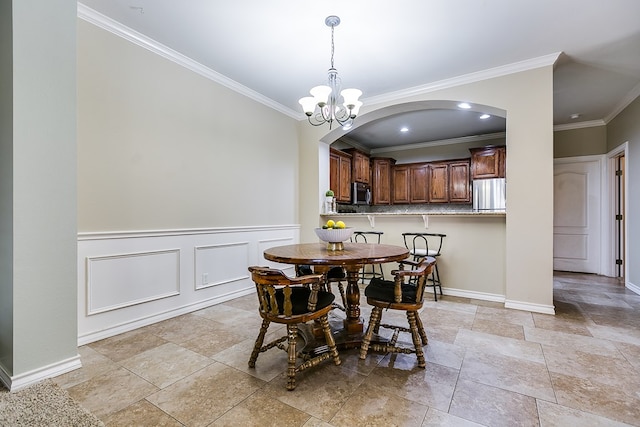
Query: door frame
(609, 239)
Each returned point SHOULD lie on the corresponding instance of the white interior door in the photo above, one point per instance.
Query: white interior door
(576, 215)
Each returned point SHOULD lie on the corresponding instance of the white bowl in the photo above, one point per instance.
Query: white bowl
(334, 235)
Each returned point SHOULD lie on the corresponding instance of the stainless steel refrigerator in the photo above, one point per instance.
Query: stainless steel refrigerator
(489, 194)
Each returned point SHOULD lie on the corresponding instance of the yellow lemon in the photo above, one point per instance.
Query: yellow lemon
(331, 223)
(340, 224)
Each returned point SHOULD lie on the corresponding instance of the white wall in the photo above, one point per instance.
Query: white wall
(37, 283)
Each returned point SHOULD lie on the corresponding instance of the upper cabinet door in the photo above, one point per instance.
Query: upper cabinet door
(340, 175)
(418, 183)
(400, 183)
(360, 167)
(487, 162)
(438, 183)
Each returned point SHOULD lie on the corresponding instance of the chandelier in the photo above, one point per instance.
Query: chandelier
(324, 105)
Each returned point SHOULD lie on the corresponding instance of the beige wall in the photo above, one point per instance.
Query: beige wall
(625, 127)
(527, 99)
(580, 142)
(161, 147)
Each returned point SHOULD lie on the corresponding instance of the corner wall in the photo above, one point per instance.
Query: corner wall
(39, 235)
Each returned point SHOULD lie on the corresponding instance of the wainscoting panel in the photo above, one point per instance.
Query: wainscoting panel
(220, 264)
(119, 281)
(127, 280)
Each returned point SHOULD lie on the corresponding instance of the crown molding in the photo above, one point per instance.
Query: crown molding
(516, 67)
(462, 140)
(579, 125)
(624, 103)
(96, 18)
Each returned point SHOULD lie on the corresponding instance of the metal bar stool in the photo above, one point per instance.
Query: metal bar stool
(369, 270)
(421, 245)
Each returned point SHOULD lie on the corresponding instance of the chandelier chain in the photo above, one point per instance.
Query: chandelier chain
(332, 45)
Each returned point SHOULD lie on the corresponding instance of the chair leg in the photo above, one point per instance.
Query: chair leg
(331, 343)
(415, 336)
(421, 330)
(292, 332)
(374, 322)
(258, 344)
(342, 294)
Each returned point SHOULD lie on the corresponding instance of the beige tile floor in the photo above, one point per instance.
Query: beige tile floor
(486, 366)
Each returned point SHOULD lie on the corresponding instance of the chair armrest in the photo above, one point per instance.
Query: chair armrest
(417, 272)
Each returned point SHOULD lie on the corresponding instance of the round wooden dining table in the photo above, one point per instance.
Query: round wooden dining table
(352, 258)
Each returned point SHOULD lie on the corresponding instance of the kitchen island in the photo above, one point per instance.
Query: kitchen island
(473, 258)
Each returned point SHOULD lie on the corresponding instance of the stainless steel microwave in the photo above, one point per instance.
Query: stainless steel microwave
(360, 194)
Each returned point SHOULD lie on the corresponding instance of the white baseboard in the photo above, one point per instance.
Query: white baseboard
(24, 380)
(633, 288)
(527, 306)
(463, 293)
(516, 305)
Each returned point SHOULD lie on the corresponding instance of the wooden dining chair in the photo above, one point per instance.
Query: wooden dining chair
(399, 294)
(292, 301)
(335, 275)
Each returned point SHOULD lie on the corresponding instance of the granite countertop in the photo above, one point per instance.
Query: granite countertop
(431, 213)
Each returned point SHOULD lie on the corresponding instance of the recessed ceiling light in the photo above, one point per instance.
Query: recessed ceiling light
(484, 116)
(404, 129)
(575, 116)
(464, 105)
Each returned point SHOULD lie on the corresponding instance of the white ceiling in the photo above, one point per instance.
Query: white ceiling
(276, 50)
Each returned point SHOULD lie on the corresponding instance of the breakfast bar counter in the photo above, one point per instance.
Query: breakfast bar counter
(473, 261)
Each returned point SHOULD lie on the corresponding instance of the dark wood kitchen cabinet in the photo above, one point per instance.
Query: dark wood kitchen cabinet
(360, 166)
(340, 175)
(381, 176)
(459, 181)
(418, 183)
(400, 184)
(488, 162)
(438, 183)
(449, 182)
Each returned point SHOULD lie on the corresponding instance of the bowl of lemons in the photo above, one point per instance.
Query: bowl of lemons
(334, 233)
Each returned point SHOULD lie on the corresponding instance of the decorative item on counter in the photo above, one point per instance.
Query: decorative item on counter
(334, 233)
(329, 202)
